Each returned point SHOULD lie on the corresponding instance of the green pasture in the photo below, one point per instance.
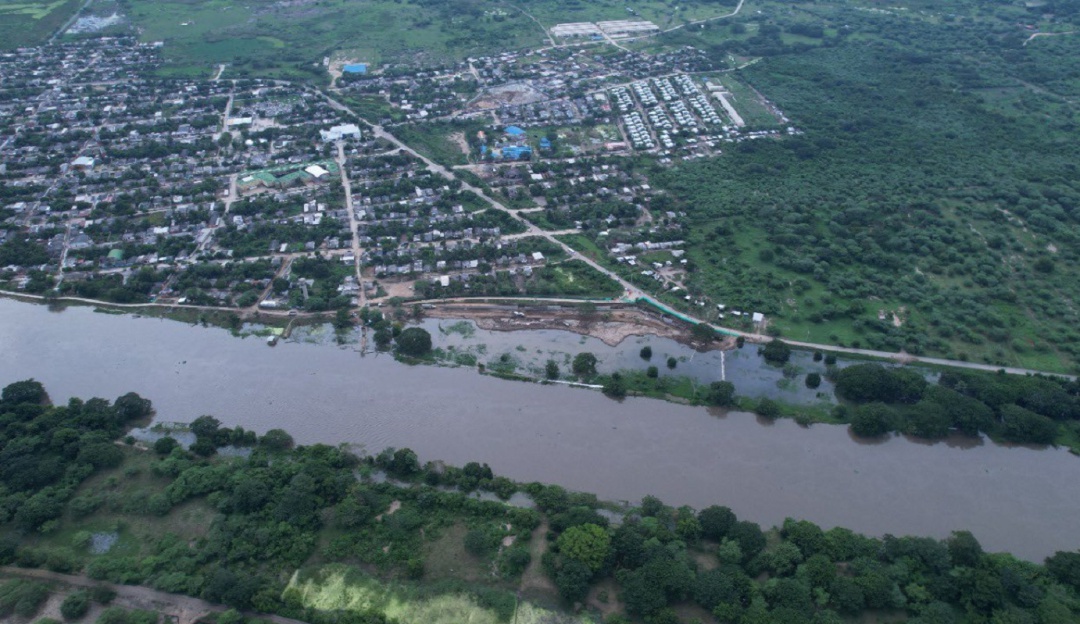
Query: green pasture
(31, 23)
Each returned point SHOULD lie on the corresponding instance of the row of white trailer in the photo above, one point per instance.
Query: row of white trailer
(675, 92)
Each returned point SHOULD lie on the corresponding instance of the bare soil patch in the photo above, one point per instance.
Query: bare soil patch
(611, 325)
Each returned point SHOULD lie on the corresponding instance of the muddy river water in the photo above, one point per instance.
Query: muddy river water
(1023, 500)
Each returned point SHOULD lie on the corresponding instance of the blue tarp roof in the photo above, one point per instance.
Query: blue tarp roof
(516, 151)
(514, 131)
(355, 68)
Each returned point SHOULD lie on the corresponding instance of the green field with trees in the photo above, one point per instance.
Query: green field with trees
(935, 182)
(306, 532)
(31, 22)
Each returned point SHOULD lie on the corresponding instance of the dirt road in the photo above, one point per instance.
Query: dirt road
(185, 608)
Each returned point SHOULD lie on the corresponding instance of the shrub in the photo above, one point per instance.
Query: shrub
(75, 605)
(164, 446)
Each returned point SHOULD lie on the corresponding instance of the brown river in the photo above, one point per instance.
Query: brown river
(1022, 500)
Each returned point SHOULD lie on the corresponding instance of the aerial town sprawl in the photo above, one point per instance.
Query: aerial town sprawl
(267, 195)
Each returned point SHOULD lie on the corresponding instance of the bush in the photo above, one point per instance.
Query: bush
(652, 372)
(23, 598)
(767, 407)
(480, 543)
(102, 595)
(75, 605)
(164, 446)
(646, 352)
(813, 380)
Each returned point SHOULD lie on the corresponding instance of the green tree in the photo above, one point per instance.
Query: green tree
(813, 380)
(767, 407)
(703, 332)
(584, 365)
(28, 391)
(672, 363)
(776, 352)
(414, 341)
(721, 393)
(716, 521)
(587, 543)
(205, 427)
(872, 420)
(276, 440)
(615, 386)
(1021, 425)
(727, 584)
(383, 337)
(652, 372)
(1065, 567)
(551, 370)
(164, 446)
(646, 352)
(572, 580)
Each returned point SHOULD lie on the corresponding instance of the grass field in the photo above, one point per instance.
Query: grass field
(284, 40)
(30, 23)
(338, 587)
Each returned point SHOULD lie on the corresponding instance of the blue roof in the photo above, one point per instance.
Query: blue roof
(516, 151)
(355, 68)
(514, 131)
(545, 143)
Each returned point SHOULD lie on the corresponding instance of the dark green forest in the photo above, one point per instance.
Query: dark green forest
(936, 179)
(232, 529)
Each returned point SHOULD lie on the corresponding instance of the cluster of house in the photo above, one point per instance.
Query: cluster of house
(111, 172)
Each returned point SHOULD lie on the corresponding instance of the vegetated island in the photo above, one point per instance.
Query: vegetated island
(271, 531)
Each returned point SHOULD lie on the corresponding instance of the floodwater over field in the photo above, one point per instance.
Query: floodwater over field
(1022, 500)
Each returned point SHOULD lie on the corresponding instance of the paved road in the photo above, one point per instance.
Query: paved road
(187, 608)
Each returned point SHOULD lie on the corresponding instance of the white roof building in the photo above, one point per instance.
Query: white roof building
(337, 133)
(316, 171)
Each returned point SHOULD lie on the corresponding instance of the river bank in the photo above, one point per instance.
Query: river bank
(1013, 498)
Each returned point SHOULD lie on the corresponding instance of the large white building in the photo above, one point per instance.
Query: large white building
(343, 131)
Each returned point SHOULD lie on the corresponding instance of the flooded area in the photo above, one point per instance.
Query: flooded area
(1018, 499)
(530, 350)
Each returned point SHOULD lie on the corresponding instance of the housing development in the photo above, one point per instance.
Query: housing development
(260, 194)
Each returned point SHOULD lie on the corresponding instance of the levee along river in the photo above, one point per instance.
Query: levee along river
(1022, 500)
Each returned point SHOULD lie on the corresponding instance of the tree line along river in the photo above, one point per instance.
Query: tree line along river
(1014, 499)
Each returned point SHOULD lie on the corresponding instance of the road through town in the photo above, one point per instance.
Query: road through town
(635, 294)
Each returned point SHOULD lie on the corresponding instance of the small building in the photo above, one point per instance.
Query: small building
(757, 317)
